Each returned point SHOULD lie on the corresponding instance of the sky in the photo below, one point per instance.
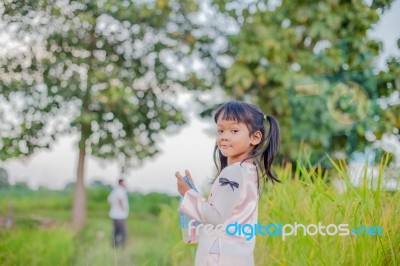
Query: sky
(190, 148)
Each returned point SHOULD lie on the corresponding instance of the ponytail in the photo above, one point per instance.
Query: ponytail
(271, 150)
(220, 160)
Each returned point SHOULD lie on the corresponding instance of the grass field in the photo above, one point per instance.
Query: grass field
(41, 234)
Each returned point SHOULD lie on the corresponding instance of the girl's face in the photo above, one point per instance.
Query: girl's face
(235, 141)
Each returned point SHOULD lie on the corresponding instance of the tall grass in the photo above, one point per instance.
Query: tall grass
(308, 197)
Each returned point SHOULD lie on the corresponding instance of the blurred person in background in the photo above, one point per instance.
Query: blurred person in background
(119, 211)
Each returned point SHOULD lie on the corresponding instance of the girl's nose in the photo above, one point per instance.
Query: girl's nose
(224, 137)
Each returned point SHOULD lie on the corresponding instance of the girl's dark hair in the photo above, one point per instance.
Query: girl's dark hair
(254, 119)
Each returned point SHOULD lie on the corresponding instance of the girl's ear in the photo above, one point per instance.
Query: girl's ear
(256, 138)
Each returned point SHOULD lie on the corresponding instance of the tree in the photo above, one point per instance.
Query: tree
(320, 47)
(389, 86)
(102, 70)
(4, 178)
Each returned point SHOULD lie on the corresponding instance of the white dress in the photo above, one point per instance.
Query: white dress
(233, 198)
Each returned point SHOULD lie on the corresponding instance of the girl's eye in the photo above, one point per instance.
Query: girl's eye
(219, 131)
(235, 130)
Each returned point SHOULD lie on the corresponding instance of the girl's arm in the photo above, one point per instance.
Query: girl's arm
(226, 197)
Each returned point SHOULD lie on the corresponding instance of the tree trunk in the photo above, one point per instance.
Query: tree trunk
(79, 205)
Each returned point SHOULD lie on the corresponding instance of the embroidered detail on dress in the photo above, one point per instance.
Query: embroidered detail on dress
(225, 181)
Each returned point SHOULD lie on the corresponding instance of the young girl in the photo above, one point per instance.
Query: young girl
(240, 146)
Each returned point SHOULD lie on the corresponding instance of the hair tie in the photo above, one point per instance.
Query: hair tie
(265, 116)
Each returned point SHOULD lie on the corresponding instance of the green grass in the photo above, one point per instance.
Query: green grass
(41, 233)
(154, 238)
(307, 197)
(36, 247)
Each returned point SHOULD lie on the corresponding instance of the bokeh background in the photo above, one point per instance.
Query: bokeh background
(91, 91)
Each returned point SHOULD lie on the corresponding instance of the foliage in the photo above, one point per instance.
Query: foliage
(98, 68)
(23, 199)
(282, 46)
(389, 85)
(106, 71)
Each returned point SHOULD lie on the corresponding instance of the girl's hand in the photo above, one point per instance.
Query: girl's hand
(182, 185)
